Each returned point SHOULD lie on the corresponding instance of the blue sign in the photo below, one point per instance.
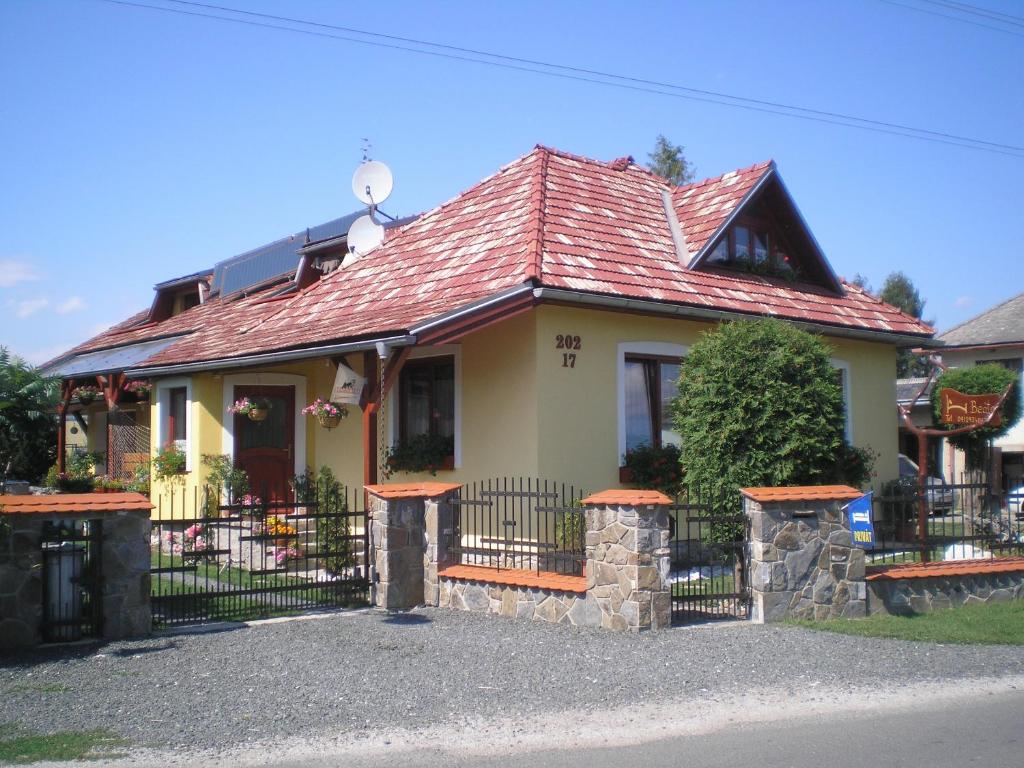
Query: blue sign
(859, 511)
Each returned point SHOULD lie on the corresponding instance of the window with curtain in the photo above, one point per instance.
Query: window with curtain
(177, 420)
(650, 384)
(427, 398)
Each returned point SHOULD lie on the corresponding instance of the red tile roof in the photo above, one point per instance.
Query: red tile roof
(802, 493)
(74, 503)
(548, 219)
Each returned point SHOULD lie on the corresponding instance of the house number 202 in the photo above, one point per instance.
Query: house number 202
(568, 342)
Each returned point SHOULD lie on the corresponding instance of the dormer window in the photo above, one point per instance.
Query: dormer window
(752, 248)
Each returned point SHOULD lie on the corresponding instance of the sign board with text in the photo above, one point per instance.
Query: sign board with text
(962, 410)
(861, 527)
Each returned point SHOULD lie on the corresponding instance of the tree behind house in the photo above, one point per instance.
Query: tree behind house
(669, 161)
(28, 429)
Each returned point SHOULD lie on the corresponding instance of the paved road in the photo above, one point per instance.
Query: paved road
(975, 731)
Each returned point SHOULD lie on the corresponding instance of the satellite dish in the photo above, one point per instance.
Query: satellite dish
(364, 235)
(372, 182)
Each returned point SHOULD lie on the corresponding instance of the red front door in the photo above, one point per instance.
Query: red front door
(266, 449)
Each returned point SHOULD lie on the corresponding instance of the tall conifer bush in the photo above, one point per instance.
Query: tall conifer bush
(760, 404)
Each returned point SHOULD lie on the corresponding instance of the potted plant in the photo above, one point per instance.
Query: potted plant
(87, 393)
(140, 388)
(169, 463)
(328, 414)
(655, 468)
(423, 453)
(255, 408)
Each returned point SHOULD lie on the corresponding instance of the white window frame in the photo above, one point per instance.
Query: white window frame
(269, 380)
(625, 349)
(844, 366)
(162, 400)
(444, 350)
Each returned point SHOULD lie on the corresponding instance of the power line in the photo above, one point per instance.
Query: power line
(976, 10)
(581, 74)
(962, 20)
(599, 73)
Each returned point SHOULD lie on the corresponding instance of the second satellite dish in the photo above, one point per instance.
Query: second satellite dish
(372, 182)
(364, 235)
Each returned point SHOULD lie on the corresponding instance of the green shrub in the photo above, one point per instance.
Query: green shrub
(655, 468)
(759, 405)
(333, 531)
(223, 477)
(990, 378)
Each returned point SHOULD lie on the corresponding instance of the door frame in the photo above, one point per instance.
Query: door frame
(269, 380)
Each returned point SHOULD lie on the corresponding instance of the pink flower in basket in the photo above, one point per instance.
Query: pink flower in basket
(321, 407)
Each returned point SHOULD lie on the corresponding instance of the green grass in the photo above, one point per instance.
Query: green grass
(18, 747)
(719, 585)
(991, 624)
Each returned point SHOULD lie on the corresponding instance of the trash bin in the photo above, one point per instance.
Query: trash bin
(64, 564)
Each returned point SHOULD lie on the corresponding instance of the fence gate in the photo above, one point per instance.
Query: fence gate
(709, 570)
(247, 560)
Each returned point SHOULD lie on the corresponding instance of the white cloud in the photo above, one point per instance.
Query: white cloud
(13, 272)
(29, 307)
(73, 304)
(964, 301)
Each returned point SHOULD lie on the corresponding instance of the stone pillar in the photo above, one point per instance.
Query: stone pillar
(440, 524)
(628, 559)
(125, 565)
(802, 562)
(21, 581)
(407, 529)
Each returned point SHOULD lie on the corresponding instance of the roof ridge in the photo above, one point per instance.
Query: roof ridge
(981, 314)
(538, 200)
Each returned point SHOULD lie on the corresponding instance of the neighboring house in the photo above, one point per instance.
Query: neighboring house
(994, 336)
(907, 391)
(536, 321)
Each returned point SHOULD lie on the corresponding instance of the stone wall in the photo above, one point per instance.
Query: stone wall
(920, 595)
(515, 602)
(802, 562)
(124, 562)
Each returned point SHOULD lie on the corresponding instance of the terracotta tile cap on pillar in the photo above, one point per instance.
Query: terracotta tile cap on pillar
(627, 498)
(802, 493)
(411, 490)
(74, 503)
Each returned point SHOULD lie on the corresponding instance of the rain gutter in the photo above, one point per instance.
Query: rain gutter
(269, 358)
(679, 310)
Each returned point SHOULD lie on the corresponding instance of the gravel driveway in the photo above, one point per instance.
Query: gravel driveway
(351, 672)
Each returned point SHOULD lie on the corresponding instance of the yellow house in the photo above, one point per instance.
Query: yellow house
(532, 326)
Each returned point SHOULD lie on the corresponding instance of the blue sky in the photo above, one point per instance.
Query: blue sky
(138, 145)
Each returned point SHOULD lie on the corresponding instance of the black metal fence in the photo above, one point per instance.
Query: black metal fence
(707, 543)
(522, 523)
(965, 521)
(226, 559)
(71, 580)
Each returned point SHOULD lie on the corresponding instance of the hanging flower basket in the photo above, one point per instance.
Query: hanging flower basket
(140, 388)
(86, 393)
(328, 414)
(256, 409)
